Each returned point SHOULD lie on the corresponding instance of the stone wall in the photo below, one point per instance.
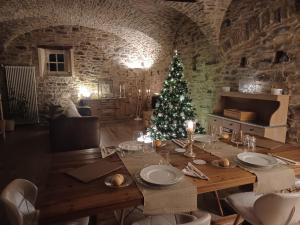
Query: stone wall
(264, 45)
(97, 55)
(202, 67)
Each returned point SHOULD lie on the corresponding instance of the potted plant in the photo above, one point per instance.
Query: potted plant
(18, 107)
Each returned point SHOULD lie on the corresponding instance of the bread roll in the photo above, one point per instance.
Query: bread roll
(117, 179)
(224, 162)
(225, 136)
(157, 143)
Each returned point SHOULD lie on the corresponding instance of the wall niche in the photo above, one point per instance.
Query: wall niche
(281, 57)
(243, 62)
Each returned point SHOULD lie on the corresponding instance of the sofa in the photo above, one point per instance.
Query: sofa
(74, 133)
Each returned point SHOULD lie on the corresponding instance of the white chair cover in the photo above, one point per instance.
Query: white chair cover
(171, 219)
(19, 198)
(268, 209)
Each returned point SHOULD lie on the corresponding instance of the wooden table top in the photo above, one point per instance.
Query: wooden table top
(64, 198)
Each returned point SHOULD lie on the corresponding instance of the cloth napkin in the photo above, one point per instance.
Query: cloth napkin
(107, 151)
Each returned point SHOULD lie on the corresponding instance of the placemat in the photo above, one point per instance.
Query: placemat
(181, 197)
(267, 143)
(268, 180)
(276, 179)
(93, 171)
(221, 150)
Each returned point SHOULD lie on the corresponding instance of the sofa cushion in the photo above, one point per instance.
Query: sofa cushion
(71, 110)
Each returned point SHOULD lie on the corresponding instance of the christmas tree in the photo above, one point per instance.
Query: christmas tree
(174, 106)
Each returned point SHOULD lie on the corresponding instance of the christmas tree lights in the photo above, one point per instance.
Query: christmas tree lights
(174, 106)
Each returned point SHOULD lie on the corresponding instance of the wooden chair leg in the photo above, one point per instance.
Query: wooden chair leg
(237, 220)
(219, 203)
(120, 219)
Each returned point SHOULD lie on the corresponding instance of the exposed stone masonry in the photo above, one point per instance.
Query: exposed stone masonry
(265, 28)
(220, 42)
(97, 55)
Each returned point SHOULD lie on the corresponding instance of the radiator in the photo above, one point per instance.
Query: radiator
(22, 93)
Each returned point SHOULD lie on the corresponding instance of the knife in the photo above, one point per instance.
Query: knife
(287, 160)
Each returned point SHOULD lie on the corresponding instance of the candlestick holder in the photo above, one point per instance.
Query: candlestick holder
(190, 129)
(138, 107)
(190, 153)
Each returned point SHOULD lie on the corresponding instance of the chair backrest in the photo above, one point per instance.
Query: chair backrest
(74, 133)
(278, 209)
(186, 219)
(18, 198)
(177, 219)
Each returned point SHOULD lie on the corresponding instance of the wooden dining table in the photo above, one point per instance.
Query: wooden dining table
(63, 197)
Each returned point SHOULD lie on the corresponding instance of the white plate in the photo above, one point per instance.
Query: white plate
(204, 138)
(257, 159)
(180, 150)
(131, 145)
(161, 175)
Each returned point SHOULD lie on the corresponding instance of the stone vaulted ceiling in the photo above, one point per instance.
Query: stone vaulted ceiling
(149, 25)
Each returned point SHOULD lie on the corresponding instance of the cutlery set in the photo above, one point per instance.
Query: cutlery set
(193, 171)
(180, 143)
(289, 161)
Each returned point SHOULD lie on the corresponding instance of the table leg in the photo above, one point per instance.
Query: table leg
(120, 219)
(219, 203)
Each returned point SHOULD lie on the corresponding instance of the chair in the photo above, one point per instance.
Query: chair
(74, 133)
(268, 209)
(19, 198)
(174, 219)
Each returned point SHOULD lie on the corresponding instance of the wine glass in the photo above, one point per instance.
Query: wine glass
(237, 137)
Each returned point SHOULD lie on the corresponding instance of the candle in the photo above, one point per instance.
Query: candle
(124, 90)
(139, 92)
(190, 126)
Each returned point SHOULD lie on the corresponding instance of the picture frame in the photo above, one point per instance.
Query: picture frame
(105, 88)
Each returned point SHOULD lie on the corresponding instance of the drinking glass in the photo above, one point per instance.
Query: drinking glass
(216, 134)
(166, 157)
(246, 142)
(237, 137)
(138, 136)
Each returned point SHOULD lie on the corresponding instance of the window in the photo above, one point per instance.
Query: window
(55, 62)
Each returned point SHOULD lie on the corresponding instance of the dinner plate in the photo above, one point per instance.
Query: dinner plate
(204, 138)
(127, 181)
(131, 145)
(161, 175)
(256, 159)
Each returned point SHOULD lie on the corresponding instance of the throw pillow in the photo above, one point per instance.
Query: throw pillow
(71, 110)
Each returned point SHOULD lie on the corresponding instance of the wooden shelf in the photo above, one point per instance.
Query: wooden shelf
(246, 123)
(267, 97)
(270, 110)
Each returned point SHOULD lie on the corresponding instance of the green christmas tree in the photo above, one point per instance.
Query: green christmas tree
(174, 106)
